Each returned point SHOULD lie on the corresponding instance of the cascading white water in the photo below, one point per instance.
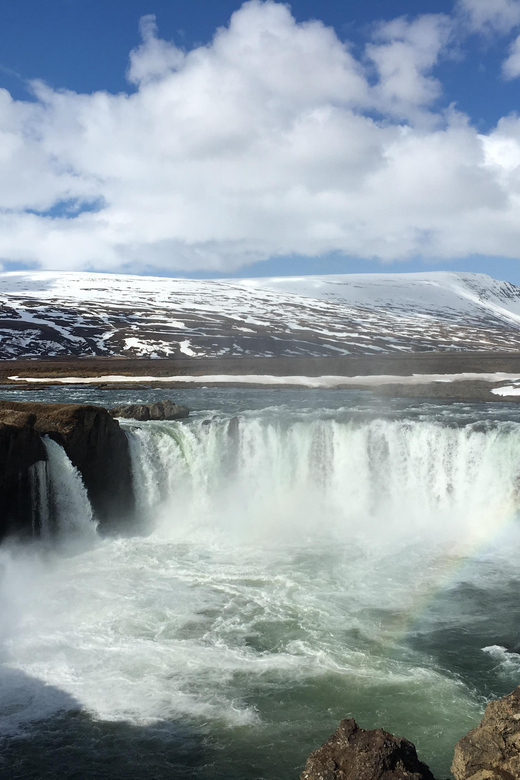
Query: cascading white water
(272, 478)
(73, 512)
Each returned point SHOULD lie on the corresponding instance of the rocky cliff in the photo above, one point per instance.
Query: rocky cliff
(93, 441)
(352, 753)
(491, 751)
(160, 410)
(21, 447)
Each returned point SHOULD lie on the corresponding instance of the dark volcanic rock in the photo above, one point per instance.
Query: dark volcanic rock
(491, 751)
(352, 753)
(20, 448)
(93, 441)
(160, 410)
(233, 430)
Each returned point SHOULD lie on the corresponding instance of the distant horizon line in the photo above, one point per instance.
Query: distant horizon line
(229, 277)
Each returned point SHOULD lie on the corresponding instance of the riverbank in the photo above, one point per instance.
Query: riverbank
(467, 376)
(350, 365)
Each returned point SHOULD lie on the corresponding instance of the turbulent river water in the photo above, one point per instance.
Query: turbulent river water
(319, 556)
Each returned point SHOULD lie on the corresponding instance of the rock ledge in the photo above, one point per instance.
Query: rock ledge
(491, 751)
(352, 753)
(160, 410)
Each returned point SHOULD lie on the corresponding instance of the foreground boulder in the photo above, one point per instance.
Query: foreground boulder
(160, 410)
(93, 441)
(352, 753)
(491, 751)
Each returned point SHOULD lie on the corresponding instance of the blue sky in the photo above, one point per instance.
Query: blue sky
(84, 46)
(380, 136)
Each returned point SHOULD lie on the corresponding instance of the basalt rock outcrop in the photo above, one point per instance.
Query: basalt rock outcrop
(21, 447)
(160, 410)
(491, 751)
(93, 441)
(352, 753)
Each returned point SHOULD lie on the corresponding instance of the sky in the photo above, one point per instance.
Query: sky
(213, 138)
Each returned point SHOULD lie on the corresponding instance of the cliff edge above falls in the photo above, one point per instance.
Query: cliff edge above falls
(160, 410)
(93, 441)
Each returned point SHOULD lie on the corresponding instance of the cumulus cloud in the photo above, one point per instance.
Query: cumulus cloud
(511, 65)
(491, 18)
(154, 58)
(273, 139)
(404, 53)
(490, 15)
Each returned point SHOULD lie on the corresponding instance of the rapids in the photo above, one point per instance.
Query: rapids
(297, 564)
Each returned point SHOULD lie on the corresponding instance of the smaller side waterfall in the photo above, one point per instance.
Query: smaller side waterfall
(72, 512)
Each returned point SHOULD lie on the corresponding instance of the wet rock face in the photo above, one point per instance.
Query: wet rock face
(160, 410)
(352, 753)
(491, 751)
(20, 448)
(93, 441)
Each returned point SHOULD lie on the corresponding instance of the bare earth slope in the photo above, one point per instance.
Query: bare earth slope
(50, 314)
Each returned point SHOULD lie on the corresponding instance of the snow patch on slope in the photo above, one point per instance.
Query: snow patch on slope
(447, 294)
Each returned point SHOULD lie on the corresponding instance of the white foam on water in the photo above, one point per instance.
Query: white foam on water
(507, 660)
(149, 631)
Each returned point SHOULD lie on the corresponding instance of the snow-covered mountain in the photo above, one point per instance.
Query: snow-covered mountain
(66, 313)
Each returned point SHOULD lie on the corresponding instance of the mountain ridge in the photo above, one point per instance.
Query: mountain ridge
(64, 313)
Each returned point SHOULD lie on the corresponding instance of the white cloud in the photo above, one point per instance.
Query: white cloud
(154, 58)
(404, 54)
(490, 15)
(511, 65)
(273, 139)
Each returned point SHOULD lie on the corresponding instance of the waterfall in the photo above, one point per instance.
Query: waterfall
(72, 515)
(268, 477)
